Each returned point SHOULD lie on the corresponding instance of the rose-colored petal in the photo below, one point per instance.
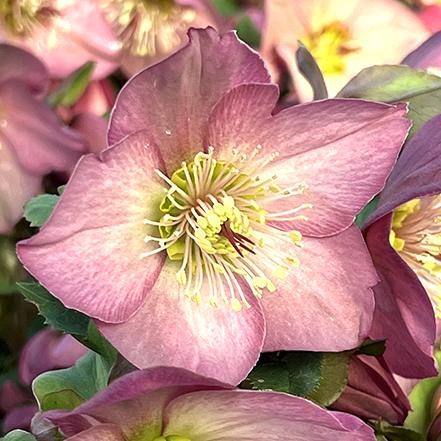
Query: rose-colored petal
(133, 401)
(428, 54)
(40, 142)
(372, 392)
(93, 128)
(47, 350)
(246, 415)
(88, 253)
(103, 432)
(174, 98)
(325, 304)
(11, 396)
(403, 312)
(171, 330)
(17, 186)
(417, 172)
(20, 65)
(431, 17)
(342, 149)
(19, 418)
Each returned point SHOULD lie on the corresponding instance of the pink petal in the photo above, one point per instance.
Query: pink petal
(171, 330)
(93, 128)
(17, 186)
(41, 143)
(20, 65)
(246, 415)
(403, 312)
(88, 253)
(342, 149)
(325, 304)
(133, 401)
(174, 98)
(103, 432)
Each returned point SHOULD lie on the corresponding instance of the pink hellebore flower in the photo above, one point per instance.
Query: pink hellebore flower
(149, 31)
(166, 404)
(32, 141)
(427, 56)
(208, 231)
(65, 34)
(403, 235)
(372, 392)
(344, 36)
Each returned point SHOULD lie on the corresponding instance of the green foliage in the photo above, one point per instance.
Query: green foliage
(226, 7)
(392, 84)
(366, 212)
(421, 399)
(73, 86)
(372, 347)
(386, 432)
(55, 313)
(315, 375)
(9, 266)
(309, 68)
(18, 435)
(247, 32)
(38, 209)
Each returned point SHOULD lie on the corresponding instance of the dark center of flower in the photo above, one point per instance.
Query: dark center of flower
(148, 27)
(21, 16)
(329, 45)
(214, 225)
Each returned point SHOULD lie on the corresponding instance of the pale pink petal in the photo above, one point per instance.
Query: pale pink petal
(174, 98)
(40, 142)
(93, 128)
(103, 432)
(20, 65)
(403, 311)
(17, 186)
(325, 304)
(133, 401)
(171, 330)
(88, 253)
(248, 415)
(342, 149)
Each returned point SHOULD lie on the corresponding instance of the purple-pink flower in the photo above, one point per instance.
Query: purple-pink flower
(403, 235)
(175, 405)
(212, 228)
(32, 140)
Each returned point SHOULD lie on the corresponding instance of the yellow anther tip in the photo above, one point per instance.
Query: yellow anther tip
(235, 304)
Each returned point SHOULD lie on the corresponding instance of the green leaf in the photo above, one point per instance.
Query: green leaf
(55, 313)
(10, 267)
(391, 84)
(73, 86)
(247, 32)
(296, 373)
(67, 388)
(421, 398)
(18, 435)
(372, 347)
(366, 212)
(225, 7)
(309, 68)
(38, 209)
(333, 379)
(395, 433)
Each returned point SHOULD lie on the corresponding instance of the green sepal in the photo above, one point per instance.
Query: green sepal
(55, 313)
(73, 86)
(18, 435)
(366, 212)
(247, 32)
(372, 347)
(392, 84)
(38, 210)
(296, 373)
(388, 432)
(226, 7)
(310, 70)
(177, 250)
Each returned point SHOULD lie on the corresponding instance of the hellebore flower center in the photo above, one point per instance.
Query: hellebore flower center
(416, 235)
(142, 25)
(329, 45)
(215, 224)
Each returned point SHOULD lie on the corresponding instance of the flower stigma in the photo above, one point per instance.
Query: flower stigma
(416, 235)
(329, 45)
(215, 224)
(172, 438)
(148, 27)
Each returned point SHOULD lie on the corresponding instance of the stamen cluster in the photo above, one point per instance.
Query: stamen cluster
(416, 235)
(215, 227)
